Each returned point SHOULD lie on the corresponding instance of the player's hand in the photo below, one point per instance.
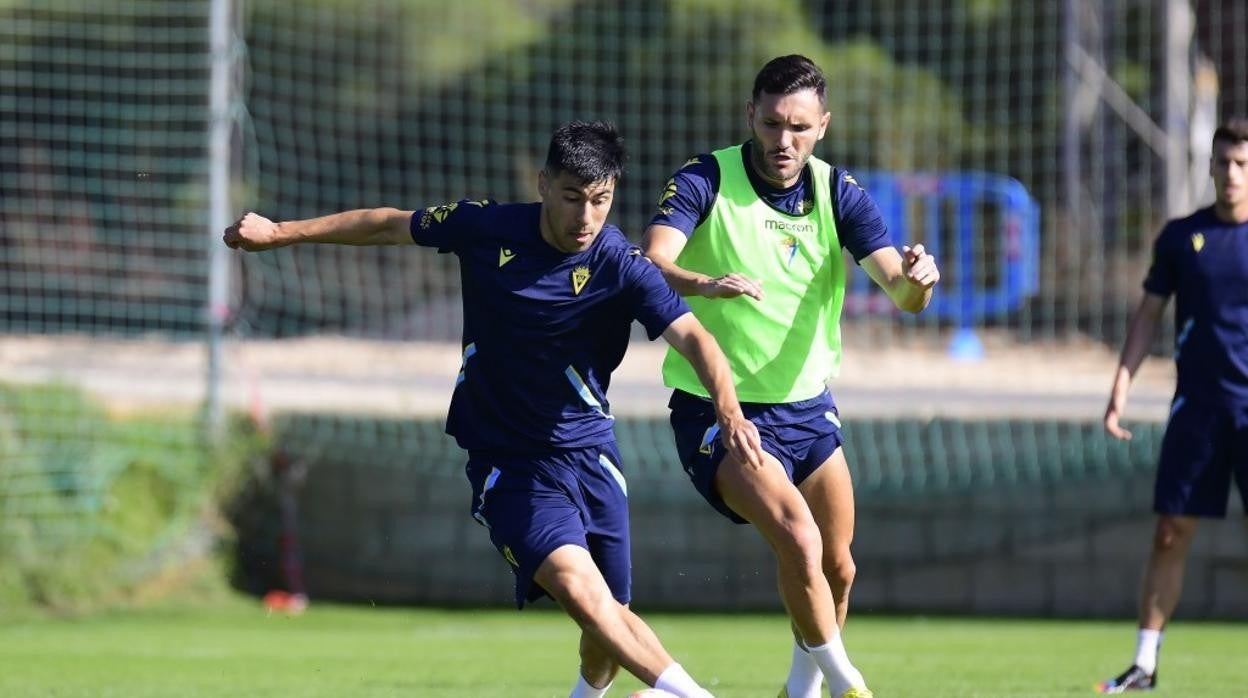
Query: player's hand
(730, 286)
(919, 266)
(1112, 414)
(740, 437)
(252, 233)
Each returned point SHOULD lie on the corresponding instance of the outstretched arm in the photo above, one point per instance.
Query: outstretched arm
(662, 244)
(740, 436)
(907, 278)
(1134, 349)
(366, 226)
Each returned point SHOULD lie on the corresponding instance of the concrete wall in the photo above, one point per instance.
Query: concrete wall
(393, 535)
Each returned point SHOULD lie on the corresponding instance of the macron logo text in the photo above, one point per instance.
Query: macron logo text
(790, 227)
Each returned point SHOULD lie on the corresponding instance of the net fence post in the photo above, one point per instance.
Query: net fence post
(219, 215)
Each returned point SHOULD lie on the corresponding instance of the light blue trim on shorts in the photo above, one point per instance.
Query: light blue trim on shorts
(613, 472)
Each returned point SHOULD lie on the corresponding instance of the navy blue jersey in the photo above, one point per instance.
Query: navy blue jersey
(690, 195)
(1203, 261)
(542, 329)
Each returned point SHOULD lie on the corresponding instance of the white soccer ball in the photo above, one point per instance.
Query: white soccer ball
(652, 693)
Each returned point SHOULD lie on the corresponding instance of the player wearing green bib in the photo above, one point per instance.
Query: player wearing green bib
(800, 257)
(751, 235)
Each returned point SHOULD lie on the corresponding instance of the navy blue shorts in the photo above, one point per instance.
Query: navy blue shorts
(535, 504)
(801, 435)
(1203, 446)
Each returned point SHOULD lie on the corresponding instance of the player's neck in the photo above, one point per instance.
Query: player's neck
(1236, 214)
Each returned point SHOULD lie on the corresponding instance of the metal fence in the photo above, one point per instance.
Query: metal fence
(1037, 147)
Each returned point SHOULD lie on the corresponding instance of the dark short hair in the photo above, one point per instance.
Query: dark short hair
(788, 74)
(1233, 130)
(591, 151)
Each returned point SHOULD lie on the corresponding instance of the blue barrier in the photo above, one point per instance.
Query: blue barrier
(984, 230)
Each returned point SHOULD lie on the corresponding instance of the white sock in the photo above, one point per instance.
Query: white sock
(805, 679)
(583, 689)
(675, 679)
(1146, 646)
(837, 669)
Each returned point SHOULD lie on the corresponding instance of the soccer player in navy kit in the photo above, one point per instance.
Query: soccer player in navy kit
(549, 294)
(1202, 260)
(752, 235)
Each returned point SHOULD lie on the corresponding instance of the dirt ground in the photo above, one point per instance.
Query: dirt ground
(878, 378)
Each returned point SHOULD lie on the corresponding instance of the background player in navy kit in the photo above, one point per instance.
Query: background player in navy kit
(549, 294)
(752, 236)
(1203, 261)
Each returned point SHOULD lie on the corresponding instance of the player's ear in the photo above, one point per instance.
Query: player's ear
(749, 114)
(543, 183)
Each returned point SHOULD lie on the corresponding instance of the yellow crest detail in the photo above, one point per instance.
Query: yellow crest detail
(509, 556)
(505, 255)
(1198, 241)
(580, 276)
(691, 161)
(436, 214)
(440, 213)
(668, 191)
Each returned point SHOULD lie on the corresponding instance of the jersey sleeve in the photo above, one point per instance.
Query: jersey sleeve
(448, 227)
(1161, 273)
(654, 304)
(859, 223)
(688, 196)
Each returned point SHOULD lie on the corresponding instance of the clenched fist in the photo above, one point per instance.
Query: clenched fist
(919, 266)
(252, 233)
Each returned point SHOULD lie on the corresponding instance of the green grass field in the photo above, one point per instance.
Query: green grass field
(236, 649)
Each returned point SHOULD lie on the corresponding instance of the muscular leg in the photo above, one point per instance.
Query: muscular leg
(572, 578)
(830, 494)
(598, 666)
(1162, 581)
(766, 498)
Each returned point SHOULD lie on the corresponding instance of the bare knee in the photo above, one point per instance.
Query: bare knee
(580, 596)
(840, 570)
(800, 545)
(1173, 534)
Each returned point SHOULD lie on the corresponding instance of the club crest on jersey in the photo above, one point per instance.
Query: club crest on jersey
(1198, 241)
(505, 255)
(790, 246)
(580, 277)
